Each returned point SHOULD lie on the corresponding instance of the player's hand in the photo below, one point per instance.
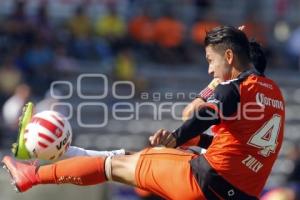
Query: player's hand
(163, 137)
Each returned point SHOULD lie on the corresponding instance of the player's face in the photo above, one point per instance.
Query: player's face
(218, 65)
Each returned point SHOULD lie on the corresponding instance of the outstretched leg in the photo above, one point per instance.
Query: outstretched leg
(82, 170)
(163, 171)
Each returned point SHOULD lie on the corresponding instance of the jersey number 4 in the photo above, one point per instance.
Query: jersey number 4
(266, 137)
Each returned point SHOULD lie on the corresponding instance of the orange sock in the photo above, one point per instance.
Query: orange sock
(77, 170)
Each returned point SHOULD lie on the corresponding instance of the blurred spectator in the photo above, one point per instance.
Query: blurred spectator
(10, 77)
(294, 155)
(18, 26)
(202, 26)
(169, 31)
(141, 30)
(39, 59)
(80, 27)
(281, 7)
(282, 193)
(204, 22)
(112, 28)
(80, 24)
(12, 108)
(293, 48)
(64, 64)
(125, 69)
(281, 31)
(125, 66)
(141, 27)
(103, 51)
(42, 25)
(169, 35)
(254, 29)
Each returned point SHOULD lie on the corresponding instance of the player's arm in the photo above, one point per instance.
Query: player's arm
(223, 103)
(195, 126)
(200, 122)
(202, 97)
(190, 109)
(204, 140)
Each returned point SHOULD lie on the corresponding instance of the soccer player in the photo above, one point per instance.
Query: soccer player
(247, 110)
(259, 62)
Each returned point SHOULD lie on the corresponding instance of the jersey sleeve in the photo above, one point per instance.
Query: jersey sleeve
(200, 122)
(226, 98)
(222, 104)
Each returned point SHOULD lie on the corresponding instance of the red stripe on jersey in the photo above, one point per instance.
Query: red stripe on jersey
(42, 145)
(58, 120)
(48, 125)
(206, 93)
(46, 137)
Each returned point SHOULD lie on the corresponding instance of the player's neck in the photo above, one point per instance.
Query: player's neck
(236, 71)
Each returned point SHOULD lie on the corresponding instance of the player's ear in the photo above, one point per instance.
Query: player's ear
(229, 56)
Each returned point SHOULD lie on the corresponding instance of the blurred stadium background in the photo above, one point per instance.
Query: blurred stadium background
(155, 44)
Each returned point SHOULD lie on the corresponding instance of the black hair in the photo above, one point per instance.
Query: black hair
(228, 37)
(258, 57)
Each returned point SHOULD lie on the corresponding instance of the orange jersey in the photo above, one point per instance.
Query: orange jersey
(246, 143)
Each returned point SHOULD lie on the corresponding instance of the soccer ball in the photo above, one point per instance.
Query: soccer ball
(48, 135)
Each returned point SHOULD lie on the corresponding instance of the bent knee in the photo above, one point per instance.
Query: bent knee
(123, 168)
